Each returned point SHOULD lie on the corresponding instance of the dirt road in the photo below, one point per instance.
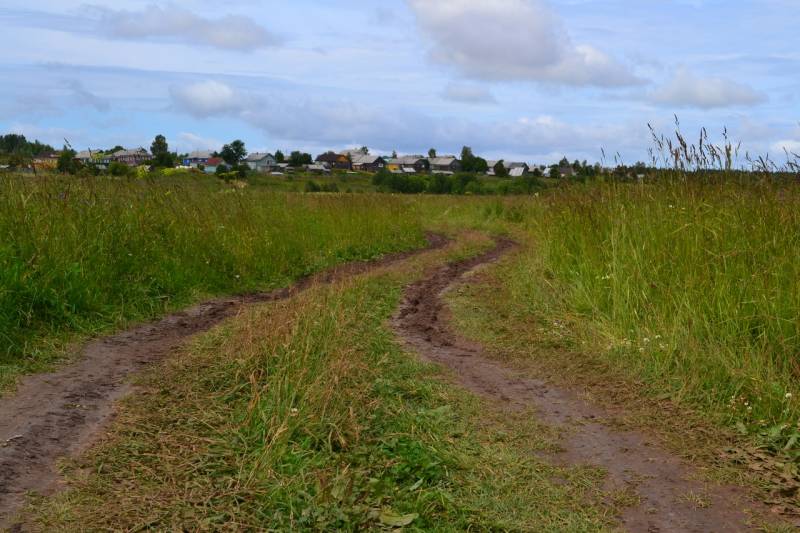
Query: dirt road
(59, 414)
(670, 497)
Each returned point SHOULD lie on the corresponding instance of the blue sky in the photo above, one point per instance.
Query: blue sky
(524, 79)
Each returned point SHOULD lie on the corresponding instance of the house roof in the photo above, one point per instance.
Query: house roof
(200, 154)
(442, 161)
(330, 157)
(133, 152)
(258, 156)
(517, 172)
(362, 159)
(410, 160)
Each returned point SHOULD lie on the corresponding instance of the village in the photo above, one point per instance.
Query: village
(353, 161)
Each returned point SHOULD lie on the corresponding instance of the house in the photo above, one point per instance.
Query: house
(48, 160)
(334, 160)
(261, 162)
(517, 170)
(318, 169)
(132, 158)
(407, 164)
(393, 165)
(195, 159)
(446, 164)
(368, 163)
(86, 156)
(212, 163)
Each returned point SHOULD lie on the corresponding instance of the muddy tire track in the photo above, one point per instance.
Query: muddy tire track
(670, 494)
(60, 414)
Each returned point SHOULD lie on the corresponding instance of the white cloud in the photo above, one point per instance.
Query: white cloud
(231, 32)
(788, 145)
(468, 94)
(685, 89)
(513, 40)
(207, 98)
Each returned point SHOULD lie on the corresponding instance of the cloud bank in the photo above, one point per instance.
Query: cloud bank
(231, 32)
(506, 40)
(685, 89)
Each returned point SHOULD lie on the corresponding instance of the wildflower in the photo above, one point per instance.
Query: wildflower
(646, 340)
(788, 396)
(294, 411)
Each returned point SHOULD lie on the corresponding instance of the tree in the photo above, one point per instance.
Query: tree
(279, 157)
(298, 159)
(394, 154)
(14, 143)
(66, 161)
(432, 152)
(500, 169)
(159, 146)
(116, 149)
(161, 154)
(233, 153)
(364, 150)
(471, 163)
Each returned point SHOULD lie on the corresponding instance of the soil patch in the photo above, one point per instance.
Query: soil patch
(60, 414)
(666, 493)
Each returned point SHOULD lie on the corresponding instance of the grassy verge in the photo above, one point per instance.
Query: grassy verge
(305, 414)
(674, 303)
(689, 286)
(82, 256)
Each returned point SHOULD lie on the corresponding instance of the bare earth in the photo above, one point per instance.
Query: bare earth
(60, 414)
(670, 496)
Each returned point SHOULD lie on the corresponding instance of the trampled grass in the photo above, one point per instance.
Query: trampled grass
(306, 415)
(83, 255)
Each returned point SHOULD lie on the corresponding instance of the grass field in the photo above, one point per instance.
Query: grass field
(307, 414)
(689, 287)
(82, 256)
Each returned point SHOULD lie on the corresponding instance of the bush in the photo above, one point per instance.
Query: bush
(119, 169)
(402, 183)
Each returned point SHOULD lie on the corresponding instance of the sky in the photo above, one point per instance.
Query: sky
(529, 80)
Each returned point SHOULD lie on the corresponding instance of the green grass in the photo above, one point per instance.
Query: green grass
(306, 415)
(79, 256)
(691, 288)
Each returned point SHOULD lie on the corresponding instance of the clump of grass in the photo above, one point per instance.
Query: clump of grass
(84, 255)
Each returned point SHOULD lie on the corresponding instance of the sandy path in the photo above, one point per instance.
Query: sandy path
(671, 499)
(60, 414)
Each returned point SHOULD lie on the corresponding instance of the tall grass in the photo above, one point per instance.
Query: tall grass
(691, 286)
(84, 255)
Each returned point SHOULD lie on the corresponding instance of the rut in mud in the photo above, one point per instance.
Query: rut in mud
(60, 414)
(670, 496)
